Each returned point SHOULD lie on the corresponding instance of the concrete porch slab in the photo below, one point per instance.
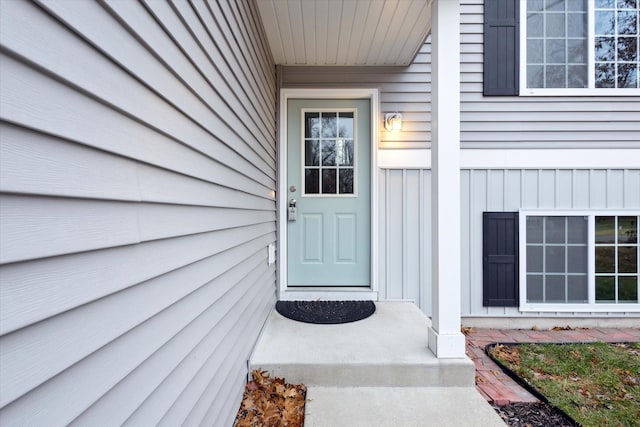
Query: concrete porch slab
(398, 406)
(388, 349)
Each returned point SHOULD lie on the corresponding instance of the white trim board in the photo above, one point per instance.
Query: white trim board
(551, 158)
(347, 293)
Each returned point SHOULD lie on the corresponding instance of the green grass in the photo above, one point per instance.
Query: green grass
(597, 384)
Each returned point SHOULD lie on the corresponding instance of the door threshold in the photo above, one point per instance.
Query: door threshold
(327, 293)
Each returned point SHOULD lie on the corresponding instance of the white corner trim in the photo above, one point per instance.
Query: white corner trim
(373, 94)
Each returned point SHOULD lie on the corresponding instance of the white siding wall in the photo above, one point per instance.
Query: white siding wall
(403, 89)
(137, 166)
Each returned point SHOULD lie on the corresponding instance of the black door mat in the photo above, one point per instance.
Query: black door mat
(326, 312)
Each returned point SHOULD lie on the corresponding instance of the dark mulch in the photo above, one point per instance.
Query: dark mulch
(533, 415)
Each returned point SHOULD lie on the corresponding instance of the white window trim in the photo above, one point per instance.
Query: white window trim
(591, 90)
(591, 306)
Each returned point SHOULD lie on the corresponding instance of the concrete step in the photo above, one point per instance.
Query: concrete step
(398, 407)
(388, 349)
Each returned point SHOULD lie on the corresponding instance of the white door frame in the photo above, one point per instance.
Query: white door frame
(325, 293)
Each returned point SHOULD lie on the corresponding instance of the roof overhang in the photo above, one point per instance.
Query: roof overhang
(345, 32)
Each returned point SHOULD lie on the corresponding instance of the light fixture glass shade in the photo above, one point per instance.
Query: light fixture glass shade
(393, 122)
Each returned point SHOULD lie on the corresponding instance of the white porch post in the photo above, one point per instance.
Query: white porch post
(445, 338)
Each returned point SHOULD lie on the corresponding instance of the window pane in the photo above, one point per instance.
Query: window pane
(535, 25)
(628, 289)
(577, 76)
(605, 259)
(605, 229)
(627, 229)
(605, 22)
(604, 49)
(554, 229)
(556, 5)
(554, 259)
(626, 4)
(577, 5)
(577, 259)
(345, 152)
(555, 52)
(577, 51)
(535, 76)
(627, 75)
(311, 152)
(345, 129)
(328, 181)
(627, 49)
(346, 181)
(554, 289)
(577, 229)
(605, 289)
(312, 125)
(605, 75)
(555, 76)
(312, 181)
(535, 51)
(328, 153)
(534, 288)
(535, 5)
(577, 289)
(329, 125)
(627, 22)
(554, 25)
(605, 4)
(627, 259)
(534, 259)
(534, 229)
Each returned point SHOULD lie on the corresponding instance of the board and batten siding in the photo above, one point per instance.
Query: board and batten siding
(137, 171)
(405, 221)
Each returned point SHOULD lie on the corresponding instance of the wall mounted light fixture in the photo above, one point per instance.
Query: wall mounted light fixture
(393, 121)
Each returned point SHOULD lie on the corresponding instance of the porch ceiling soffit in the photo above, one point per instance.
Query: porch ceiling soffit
(345, 32)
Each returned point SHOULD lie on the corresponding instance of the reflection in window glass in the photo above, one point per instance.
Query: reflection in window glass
(556, 259)
(328, 181)
(616, 259)
(557, 43)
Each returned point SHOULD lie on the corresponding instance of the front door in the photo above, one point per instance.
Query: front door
(328, 176)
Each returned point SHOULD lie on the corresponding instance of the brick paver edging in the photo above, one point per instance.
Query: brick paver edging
(496, 386)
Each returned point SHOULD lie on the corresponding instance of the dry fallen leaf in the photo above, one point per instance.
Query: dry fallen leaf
(271, 403)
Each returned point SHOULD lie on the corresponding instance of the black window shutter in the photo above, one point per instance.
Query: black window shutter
(500, 259)
(501, 47)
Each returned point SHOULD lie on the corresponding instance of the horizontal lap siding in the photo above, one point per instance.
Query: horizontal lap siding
(137, 165)
(403, 89)
(535, 122)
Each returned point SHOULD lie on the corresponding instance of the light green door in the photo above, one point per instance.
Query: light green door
(329, 173)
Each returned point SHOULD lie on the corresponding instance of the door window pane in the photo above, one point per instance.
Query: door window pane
(312, 181)
(311, 152)
(346, 181)
(329, 125)
(328, 153)
(345, 129)
(312, 125)
(328, 181)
